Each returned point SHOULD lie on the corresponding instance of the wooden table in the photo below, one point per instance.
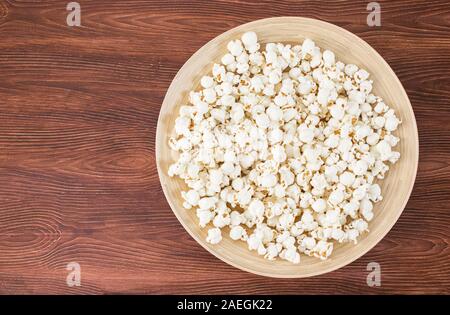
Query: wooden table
(78, 112)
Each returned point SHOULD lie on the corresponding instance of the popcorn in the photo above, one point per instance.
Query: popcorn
(254, 242)
(192, 197)
(391, 123)
(206, 203)
(204, 217)
(306, 134)
(255, 210)
(351, 208)
(319, 205)
(328, 58)
(347, 178)
(207, 82)
(272, 251)
(221, 220)
(291, 255)
(249, 39)
(359, 167)
(283, 145)
(235, 47)
(214, 236)
(336, 197)
(209, 95)
(237, 233)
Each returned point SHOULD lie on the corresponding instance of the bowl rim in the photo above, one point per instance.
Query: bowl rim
(333, 267)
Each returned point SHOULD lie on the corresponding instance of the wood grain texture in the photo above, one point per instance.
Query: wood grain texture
(78, 113)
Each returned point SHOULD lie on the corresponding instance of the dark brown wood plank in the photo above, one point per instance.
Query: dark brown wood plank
(78, 113)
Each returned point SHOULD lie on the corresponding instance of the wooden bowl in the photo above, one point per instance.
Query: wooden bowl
(349, 48)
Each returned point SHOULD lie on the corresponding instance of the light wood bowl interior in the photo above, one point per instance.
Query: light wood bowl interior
(349, 48)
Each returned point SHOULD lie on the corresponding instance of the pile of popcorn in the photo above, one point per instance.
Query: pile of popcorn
(281, 147)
